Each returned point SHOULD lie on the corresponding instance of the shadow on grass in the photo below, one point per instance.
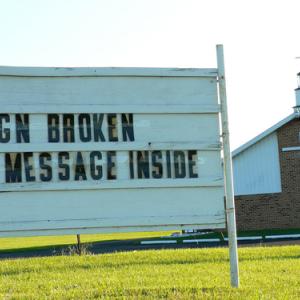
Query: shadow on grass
(93, 244)
(59, 246)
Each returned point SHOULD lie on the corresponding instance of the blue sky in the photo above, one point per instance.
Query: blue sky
(261, 41)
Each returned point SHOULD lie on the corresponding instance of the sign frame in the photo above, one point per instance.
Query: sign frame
(153, 109)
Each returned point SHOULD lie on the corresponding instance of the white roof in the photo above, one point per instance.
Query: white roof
(263, 135)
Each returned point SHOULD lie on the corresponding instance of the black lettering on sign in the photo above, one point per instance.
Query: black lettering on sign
(28, 165)
(4, 132)
(143, 164)
(179, 164)
(22, 128)
(96, 170)
(64, 174)
(80, 173)
(112, 127)
(45, 165)
(169, 170)
(68, 131)
(127, 127)
(53, 128)
(85, 131)
(157, 167)
(111, 165)
(192, 157)
(131, 165)
(13, 170)
(97, 123)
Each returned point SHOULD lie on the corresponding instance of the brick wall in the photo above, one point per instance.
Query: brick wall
(280, 210)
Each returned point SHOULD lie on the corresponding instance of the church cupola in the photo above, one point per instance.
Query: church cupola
(297, 90)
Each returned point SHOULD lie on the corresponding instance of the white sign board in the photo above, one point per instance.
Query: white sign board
(109, 149)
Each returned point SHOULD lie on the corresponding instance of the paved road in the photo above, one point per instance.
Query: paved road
(117, 246)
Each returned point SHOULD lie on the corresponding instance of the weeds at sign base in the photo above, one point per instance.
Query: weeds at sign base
(73, 250)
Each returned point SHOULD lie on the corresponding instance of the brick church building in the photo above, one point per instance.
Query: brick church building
(267, 176)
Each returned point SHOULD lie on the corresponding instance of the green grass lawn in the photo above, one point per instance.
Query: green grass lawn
(265, 273)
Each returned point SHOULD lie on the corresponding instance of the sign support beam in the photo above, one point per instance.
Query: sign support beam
(228, 179)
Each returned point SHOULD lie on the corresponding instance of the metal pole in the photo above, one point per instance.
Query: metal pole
(78, 244)
(229, 192)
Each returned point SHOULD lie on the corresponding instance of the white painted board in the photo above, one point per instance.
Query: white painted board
(164, 172)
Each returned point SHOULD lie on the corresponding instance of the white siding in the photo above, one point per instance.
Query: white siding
(256, 170)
